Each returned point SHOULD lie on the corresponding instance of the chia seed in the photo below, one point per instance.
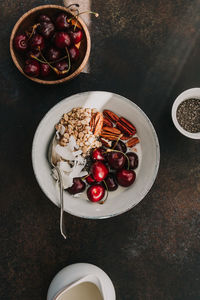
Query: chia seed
(188, 115)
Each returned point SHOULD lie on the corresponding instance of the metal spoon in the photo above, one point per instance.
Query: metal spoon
(51, 158)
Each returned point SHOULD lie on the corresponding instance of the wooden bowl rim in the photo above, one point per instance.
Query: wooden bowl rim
(85, 59)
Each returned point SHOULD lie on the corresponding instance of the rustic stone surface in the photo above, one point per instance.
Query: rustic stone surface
(147, 51)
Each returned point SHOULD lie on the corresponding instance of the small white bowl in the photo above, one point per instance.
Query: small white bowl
(188, 94)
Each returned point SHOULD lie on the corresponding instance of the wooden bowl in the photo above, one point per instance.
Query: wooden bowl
(29, 19)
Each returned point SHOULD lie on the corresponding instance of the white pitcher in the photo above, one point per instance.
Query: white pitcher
(81, 282)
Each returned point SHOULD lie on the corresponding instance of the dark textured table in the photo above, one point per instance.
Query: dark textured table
(147, 51)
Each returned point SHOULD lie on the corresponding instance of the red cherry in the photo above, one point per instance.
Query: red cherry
(34, 52)
(98, 154)
(76, 35)
(21, 43)
(32, 68)
(99, 171)
(62, 40)
(61, 22)
(62, 65)
(111, 182)
(29, 60)
(53, 54)
(74, 53)
(120, 146)
(125, 177)
(133, 160)
(46, 29)
(95, 192)
(37, 42)
(44, 70)
(116, 160)
(77, 187)
(90, 180)
(44, 18)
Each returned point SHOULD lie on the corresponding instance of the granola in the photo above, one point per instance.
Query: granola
(77, 123)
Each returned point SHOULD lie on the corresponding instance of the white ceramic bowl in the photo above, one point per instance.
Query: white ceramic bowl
(121, 200)
(188, 94)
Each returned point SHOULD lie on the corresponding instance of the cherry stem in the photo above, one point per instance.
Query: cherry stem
(73, 4)
(113, 150)
(69, 67)
(84, 12)
(51, 62)
(36, 58)
(44, 61)
(84, 177)
(117, 141)
(103, 201)
(54, 69)
(77, 11)
(33, 30)
(89, 12)
(58, 60)
(75, 25)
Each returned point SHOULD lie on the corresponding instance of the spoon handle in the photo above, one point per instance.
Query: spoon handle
(62, 225)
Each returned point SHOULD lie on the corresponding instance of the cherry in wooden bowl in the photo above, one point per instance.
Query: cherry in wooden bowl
(29, 19)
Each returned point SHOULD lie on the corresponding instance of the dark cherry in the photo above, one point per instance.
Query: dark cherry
(62, 39)
(76, 35)
(52, 39)
(133, 160)
(98, 154)
(44, 70)
(61, 22)
(125, 177)
(74, 53)
(21, 43)
(120, 146)
(99, 171)
(44, 18)
(29, 60)
(62, 65)
(53, 54)
(96, 192)
(111, 182)
(90, 180)
(46, 29)
(35, 52)
(77, 187)
(32, 68)
(37, 42)
(116, 160)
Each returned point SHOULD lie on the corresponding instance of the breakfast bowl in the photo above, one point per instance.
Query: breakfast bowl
(30, 25)
(120, 200)
(186, 113)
